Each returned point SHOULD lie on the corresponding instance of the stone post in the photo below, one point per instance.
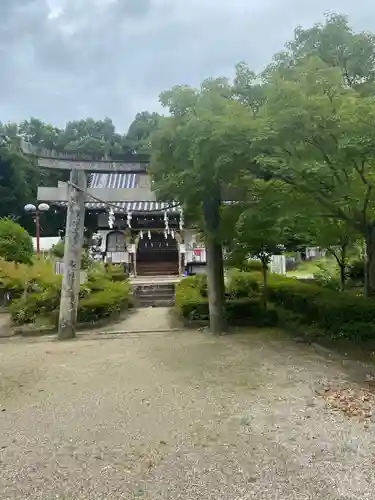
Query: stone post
(72, 255)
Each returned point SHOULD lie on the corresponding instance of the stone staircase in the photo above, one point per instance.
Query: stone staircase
(157, 268)
(154, 294)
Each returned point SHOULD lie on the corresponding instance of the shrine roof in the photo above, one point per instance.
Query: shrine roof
(131, 206)
(136, 206)
(114, 181)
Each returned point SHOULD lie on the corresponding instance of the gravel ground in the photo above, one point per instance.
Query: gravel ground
(176, 416)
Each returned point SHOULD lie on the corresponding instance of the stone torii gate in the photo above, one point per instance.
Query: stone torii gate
(75, 193)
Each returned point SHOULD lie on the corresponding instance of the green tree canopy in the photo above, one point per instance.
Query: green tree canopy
(317, 134)
(336, 44)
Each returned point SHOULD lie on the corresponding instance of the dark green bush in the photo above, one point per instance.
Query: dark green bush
(189, 297)
(192, 305)
(238, 312)
(99, 298)
(195, 310)
(249, 311)
(338, 314)
(335, 314)
(114, 298)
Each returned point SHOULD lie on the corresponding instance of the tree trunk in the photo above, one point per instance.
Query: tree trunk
(265, 282)
(342, 267)
(215, 266)
(370, 261)
(342, 261)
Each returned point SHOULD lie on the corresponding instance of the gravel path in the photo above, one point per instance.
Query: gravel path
(144, 319)
(176, 416)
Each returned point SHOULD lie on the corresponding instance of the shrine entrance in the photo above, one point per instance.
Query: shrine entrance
(157, 255)
(115, 247)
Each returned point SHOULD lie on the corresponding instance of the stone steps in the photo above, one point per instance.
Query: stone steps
(154, 295)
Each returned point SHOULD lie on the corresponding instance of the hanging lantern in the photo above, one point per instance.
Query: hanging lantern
(149, 235)
(111, 218)
(129, 219)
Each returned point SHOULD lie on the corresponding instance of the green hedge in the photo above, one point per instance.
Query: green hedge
(192, 305)
(114, 298)
(99, 298)
(336, 314)
(249, 312)
(339, 314)
(319, 310)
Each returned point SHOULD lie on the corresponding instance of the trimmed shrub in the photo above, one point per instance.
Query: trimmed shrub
(252, 311)
(99, 298)
(331, 313)
(104, 303)
(192, 305)
(190, 301)
(338, 314)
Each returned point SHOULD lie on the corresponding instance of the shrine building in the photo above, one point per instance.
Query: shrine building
(147, 235)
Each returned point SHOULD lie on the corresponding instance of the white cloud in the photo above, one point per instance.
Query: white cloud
(65, 58)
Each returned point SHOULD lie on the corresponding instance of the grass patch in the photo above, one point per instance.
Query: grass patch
(309, 267)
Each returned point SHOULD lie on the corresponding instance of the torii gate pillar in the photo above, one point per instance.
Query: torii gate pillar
(75, 222)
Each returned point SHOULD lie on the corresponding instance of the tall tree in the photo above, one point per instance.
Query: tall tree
(318, 135)
(16, 174)
(138, 137)
(188, 164)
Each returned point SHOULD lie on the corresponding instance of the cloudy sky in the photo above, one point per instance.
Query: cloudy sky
(68, 59)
